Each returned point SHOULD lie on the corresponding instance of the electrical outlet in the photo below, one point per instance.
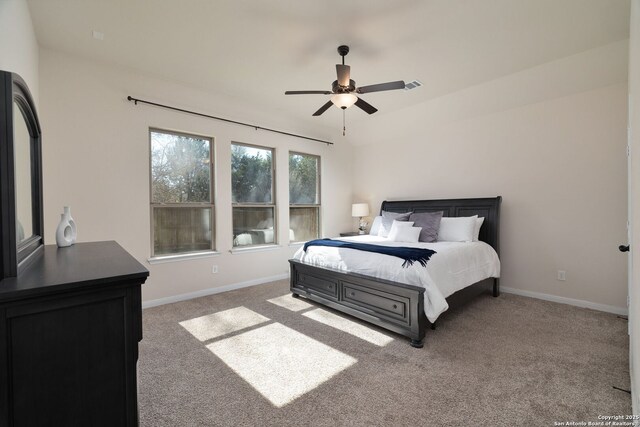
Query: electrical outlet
(214, 269)
(562, 275)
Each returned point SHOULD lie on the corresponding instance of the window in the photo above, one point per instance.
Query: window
(253, 198)
(304, 197)
(181, 196)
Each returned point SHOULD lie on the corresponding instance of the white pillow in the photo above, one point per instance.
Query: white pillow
(387, 221)
(397, 225)
(457, 229)
(405, 234)
(375, 226)
(476, 232)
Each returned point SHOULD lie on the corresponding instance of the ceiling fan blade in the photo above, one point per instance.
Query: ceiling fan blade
(344, 74)
(381, 86)
(366, 106)
(308, 92)
(324, 108)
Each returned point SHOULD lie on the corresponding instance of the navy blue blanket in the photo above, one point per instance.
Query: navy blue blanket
(409, 255)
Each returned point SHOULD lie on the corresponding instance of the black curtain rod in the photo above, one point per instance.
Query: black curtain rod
(195, 113)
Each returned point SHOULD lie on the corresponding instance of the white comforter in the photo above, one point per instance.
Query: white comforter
(453, 267)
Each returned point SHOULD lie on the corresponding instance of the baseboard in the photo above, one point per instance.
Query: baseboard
(547, 297)
(212, 291)
(564, 300)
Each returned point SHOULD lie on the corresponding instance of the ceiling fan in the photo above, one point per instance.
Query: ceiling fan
(343, 90)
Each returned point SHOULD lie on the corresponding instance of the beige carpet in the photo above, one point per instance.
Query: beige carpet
(257, 357)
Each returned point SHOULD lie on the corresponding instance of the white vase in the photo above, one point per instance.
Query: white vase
(66, 232)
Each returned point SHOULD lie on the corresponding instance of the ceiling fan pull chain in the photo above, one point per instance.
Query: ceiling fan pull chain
(344, 126)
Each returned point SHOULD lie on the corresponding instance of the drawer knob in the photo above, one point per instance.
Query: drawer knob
(330, 286)
(353, 294)
(395, 306)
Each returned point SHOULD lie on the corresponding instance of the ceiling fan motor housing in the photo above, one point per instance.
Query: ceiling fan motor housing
(336, 88)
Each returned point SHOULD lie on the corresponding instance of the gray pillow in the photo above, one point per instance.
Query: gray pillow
(430, 223)
(387, 221)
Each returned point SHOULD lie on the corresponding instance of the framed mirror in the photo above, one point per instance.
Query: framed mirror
(22, 170)
(21, 219)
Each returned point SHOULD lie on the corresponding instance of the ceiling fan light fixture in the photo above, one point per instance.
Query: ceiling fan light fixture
(344, 100)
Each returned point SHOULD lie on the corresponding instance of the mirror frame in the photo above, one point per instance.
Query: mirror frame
(15, 257)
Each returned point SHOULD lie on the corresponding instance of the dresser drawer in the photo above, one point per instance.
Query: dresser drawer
(376, 302)
(319, 285)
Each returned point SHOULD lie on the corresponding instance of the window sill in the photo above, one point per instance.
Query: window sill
(182, 257)
(254, 249)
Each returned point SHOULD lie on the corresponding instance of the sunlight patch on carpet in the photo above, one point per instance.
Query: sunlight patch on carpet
(290, 303)
(272, 360)
(223, 322)
(349, 326)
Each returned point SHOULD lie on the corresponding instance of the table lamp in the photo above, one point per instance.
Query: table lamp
(360, 210)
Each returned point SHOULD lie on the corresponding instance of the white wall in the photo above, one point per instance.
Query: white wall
(18, 44)
(634, 181)
(551, 141)
(96, 160)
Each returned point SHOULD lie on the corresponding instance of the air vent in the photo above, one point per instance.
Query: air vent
(412, 85)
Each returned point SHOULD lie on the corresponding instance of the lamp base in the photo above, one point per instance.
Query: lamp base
(361, 232)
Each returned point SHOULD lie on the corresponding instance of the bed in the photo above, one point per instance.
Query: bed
(397, 305)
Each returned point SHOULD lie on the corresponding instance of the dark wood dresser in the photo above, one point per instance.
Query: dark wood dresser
(69, 331)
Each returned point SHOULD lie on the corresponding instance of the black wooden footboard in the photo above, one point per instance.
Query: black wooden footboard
(394, 306)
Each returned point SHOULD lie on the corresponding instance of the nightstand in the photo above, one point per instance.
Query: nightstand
(351, 233)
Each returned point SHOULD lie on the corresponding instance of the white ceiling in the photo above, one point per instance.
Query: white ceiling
(256, 49)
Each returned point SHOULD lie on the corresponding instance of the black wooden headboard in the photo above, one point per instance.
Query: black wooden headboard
(488, 207)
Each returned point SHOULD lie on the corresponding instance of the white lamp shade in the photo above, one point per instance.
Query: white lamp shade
(344, 100)
(360, 209)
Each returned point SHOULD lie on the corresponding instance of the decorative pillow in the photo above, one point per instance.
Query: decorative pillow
(430, 223)
(457, 229)
(375, 226)
(476, 232)
(398, 225)
(387, 221)
(405, 234)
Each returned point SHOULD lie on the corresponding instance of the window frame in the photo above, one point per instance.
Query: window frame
(211, 204)
(272, 205)
(318, 205)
